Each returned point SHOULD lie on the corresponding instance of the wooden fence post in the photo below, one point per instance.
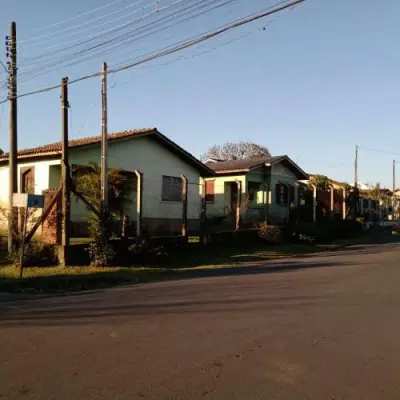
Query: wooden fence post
(139, 207)
(184, 205)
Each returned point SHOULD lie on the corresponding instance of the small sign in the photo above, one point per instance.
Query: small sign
(28, 200)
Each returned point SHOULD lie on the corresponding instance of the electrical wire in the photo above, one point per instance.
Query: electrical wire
(79, 15)
(379, 151)
(186, 44)
(5, 69)
(125, 38)
(74, 27)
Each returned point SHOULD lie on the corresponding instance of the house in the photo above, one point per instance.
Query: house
(253, 188)
(161, 161)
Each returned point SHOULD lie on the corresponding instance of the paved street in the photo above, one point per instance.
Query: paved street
(323, 328)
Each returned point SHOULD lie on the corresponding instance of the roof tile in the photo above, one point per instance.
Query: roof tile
(56, 147)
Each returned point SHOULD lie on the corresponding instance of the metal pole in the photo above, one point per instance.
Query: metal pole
(11, 44)
(65, 172)
(104, 154)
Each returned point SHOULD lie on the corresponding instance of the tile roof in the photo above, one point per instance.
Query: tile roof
(55, 148)
(241, 165)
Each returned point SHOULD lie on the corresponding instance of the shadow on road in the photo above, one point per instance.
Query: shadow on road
(193, 297)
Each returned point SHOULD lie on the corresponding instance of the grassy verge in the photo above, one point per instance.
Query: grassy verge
(177, 265)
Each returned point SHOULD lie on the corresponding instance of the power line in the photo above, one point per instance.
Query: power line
(186, 44)
(79, 15)
(123, 39)
(79, 31)
(379, 151)
(5, 69)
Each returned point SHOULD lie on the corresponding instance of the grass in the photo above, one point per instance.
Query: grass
(178, 264)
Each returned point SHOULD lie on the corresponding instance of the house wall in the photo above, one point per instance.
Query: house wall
(222, 194)
(41, 176)
(280, 174)
(153, 160)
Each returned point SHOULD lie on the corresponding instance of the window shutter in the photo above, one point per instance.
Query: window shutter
(27, 180)
(278, 193)
(210, 191)
(291, 199)
(172, 188)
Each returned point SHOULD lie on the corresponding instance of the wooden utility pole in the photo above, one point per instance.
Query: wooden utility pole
(356, 168)
(394, 188)
(11, 45)
(65, 171)
(104, 154)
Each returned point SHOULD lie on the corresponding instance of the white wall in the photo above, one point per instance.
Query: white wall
(153, 160)
(222, 194)
(41, 176)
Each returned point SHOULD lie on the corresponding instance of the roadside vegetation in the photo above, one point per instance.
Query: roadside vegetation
(148, 263)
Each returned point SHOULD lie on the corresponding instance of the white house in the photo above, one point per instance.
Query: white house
(161, 161)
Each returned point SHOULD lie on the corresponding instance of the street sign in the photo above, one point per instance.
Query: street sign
(28, 200)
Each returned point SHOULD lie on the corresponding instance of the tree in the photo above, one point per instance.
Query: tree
(120, 186)
(236, 151)
(1, 152)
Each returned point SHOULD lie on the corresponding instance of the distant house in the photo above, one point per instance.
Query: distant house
(257, 188)
(161, 161)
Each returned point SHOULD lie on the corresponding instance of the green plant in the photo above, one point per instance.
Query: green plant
(346, 186)
(120, 186)
(270, 233)
(101, 254)
(35, 254)
(320, 181)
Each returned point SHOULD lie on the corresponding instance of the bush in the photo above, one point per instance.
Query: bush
(101, 254)
(270, 233)
(35, 254)
(325, 231)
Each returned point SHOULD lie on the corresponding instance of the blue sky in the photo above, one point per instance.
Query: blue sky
(318, 80)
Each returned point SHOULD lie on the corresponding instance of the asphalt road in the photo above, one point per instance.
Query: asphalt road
(325, 327)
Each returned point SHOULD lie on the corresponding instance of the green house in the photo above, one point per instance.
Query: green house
(253, 190)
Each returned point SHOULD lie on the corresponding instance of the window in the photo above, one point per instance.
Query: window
(210, 191)
(281, 194)
(172, 188)
(253, 188)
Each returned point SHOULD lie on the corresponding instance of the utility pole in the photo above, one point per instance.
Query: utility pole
(394, 188)
(104, 155)
(356, 169)
(11, 46)
(65, 171)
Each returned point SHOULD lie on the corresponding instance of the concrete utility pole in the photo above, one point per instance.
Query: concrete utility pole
(104, 154)
(356, 169)
(11, 46)
(65, 171)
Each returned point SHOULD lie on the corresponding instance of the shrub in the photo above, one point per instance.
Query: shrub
(101, 254)
(270, 233)
(35, 254)
(328, 230)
